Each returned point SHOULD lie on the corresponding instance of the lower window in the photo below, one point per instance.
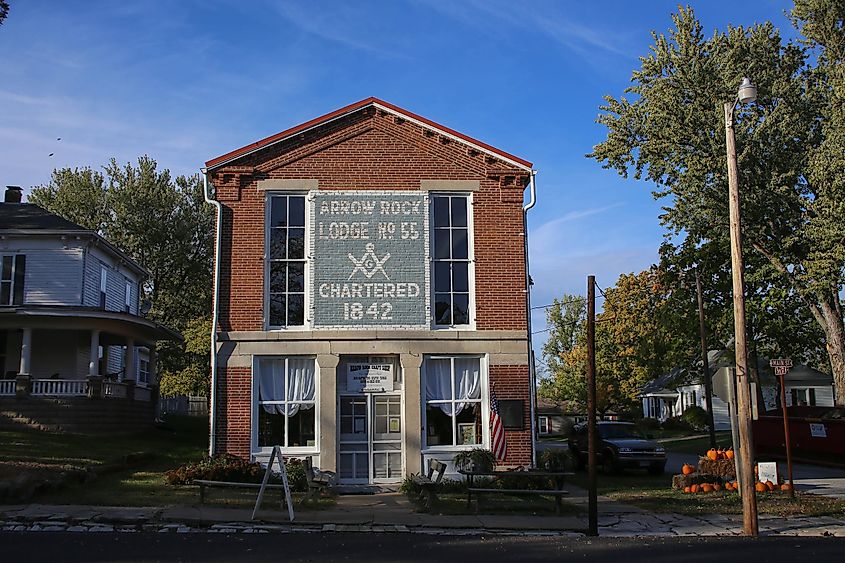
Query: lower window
(286, 399)
(453, 401)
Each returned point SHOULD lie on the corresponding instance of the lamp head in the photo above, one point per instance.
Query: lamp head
(747, 91)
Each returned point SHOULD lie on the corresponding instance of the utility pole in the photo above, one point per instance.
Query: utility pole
(705, 365)
(592, 438)
(743, 389)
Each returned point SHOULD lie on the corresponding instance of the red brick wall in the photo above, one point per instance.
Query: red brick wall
(512, 382)
(371, 150)
(234, 402)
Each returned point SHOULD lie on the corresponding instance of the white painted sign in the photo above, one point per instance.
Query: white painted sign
(818, 431)
(767, 471)
(369, 378)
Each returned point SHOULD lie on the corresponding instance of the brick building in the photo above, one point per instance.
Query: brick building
(371, 292)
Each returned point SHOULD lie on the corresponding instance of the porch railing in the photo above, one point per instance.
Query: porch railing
(7, 386)
(60, 387)
(114, 390)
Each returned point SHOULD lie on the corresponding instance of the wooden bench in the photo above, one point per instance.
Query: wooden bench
(556, 476)
(318, 481)
(228, 484)
(428, 483)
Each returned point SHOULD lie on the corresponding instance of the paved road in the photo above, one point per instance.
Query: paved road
(370, 548)
(828, 481)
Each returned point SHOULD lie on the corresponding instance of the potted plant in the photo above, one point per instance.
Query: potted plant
(475, 460)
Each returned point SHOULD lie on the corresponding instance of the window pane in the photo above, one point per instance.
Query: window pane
(277, 277)
(460, 276)
(441, 277)
(296, 211)
(296, 276)
(278, 212)
(271, 427)
(7, 268)
(459, 244)
(469, 425)
(459, 212)
(277, 310)
(441, 211)
(296, 309)
(442, 309)
(441, 243)
(460, 308)
(296, 243)
(278, 243)
(301, 427)
(438, 426)
(5, 293)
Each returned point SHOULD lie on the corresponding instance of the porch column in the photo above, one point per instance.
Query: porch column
(94, 358)
(328, 411)
(412, 429)
(153, 366)
(26, 352)
(129, 373)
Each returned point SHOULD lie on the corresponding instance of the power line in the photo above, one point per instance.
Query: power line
(565, 302)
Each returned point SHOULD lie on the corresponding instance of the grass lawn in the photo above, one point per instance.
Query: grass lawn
(697, 445)
(654, 492)
(141, 485)
(528, 505)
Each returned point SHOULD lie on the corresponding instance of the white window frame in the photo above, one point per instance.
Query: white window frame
(128, 296)
(261, 451)
(307, 261)
(470, 260)
(543, 425)
(11, 279)
(104, 287)
(796, 392)
(143, 371)
(484, 402)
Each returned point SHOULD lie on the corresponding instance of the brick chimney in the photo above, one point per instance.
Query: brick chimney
(13, 194)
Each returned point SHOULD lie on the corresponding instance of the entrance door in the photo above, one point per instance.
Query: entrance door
(370, 439)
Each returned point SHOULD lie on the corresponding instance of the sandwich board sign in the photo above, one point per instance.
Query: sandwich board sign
(275, 455)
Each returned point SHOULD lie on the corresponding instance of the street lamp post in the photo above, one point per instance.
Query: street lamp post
(747, 93)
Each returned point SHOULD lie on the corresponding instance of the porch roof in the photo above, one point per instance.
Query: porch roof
(59, 317)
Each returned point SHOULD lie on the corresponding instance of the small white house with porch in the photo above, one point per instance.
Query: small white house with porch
(671, 394)
(69, 317)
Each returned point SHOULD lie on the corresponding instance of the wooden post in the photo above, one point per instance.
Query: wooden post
(743, 389)
(705, 365)
(787, 441)
(592, 438)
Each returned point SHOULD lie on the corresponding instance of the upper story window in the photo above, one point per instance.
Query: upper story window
(12, 274)
(104, 280)
(286, 261)
(451, 263)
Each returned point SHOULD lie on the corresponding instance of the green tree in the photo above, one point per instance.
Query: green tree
(166, 227)
(4, 10)
(671, 132)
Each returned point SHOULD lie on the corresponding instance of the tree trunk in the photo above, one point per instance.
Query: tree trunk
(834, 330)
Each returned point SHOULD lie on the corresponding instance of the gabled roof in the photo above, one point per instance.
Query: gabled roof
(357, 106)
(30, 217)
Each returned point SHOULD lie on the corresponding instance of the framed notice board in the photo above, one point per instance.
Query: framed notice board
(512, 413)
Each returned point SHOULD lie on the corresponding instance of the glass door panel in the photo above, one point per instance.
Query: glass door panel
(353, 442)
(387, 437)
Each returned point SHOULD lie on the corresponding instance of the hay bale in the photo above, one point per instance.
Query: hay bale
(724, 468)
(680, 481)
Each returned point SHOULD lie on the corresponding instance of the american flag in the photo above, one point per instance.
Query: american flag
(500, 445)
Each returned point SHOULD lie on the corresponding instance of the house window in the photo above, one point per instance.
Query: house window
(286, 397)
(453, 401)
(286, 261)
(805, 397)
(128, 294)
(104, 278)
(451, 260)
(12, 274)
(544, 424)
(143, 371)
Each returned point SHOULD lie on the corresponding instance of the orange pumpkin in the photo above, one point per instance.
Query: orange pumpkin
(686, 469)
(712, 455)
(770, 486)
(729, 454)
(694, 489)
(717, 487)
(707, 488)
(786, 487)
(761, 487)
(686, 489)
(728, 486)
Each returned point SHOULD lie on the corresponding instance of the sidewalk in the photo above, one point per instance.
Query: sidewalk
(391, 512)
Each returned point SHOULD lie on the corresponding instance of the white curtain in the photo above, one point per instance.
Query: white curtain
(301, 385)
(438, 383)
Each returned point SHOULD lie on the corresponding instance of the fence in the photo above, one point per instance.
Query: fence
(60, 387)
(184, 405)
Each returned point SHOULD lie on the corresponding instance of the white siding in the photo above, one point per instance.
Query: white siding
(824, 396)
(53, 276)
(92, 281)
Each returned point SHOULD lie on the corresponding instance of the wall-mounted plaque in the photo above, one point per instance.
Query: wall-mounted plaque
(369, 378)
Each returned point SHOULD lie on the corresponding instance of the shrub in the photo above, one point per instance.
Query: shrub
(226, 467)
(675, 423)
(696, 417)
(556, 460)
(478, 457)
(648, 424)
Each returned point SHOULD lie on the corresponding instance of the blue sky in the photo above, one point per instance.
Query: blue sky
(187, 81)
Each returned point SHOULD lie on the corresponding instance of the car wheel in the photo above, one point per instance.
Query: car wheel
(656, 468)
(608, 463)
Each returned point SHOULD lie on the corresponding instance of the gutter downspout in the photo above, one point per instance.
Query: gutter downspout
(212, 435)
(532, 372)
